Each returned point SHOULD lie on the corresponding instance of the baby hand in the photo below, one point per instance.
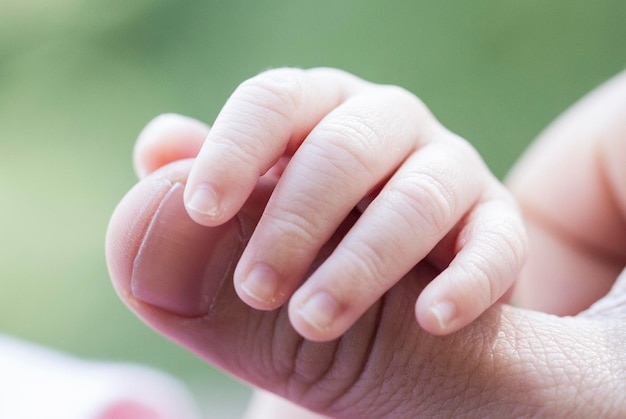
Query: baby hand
(338, 142)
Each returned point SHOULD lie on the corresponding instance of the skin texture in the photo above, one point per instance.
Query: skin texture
(336, 142)
(509, 362)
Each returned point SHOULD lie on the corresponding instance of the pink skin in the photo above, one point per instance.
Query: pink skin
(337, 139)
(129, 410)
(570, 185)
(509, 362)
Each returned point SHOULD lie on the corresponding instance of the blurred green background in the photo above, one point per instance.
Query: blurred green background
(79, 79)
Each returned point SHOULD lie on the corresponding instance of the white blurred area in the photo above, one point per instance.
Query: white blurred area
(37, 382)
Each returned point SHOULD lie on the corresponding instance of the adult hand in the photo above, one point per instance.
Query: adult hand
(177, 276)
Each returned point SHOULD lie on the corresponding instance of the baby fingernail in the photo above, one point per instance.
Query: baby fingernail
(204, 202)
(261, 284)
(320, 310)
(444, 312)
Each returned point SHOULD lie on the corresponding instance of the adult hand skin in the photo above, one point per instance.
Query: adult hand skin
(510, 362)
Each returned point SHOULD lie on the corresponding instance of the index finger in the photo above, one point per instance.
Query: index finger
(267, 116)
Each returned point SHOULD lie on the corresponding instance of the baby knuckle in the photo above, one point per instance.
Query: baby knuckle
(481, 270)
(238, 139)
(401, 95)
(462, 156)
(299, 231)
(357, 138)
(405, 99)
(498, 257)
(469, 154)
(508, 241)
(280, 90)
(327, 163)
(516, 241)
(432, 200)
(369, 265)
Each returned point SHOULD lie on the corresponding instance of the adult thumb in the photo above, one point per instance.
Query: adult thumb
(177, 277)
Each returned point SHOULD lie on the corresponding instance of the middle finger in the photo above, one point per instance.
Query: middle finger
(355, 147)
